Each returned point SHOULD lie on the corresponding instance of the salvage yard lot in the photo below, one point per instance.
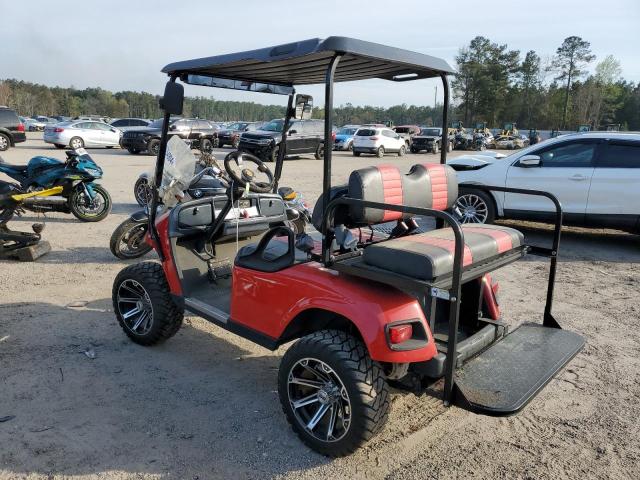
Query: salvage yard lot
(204, 404)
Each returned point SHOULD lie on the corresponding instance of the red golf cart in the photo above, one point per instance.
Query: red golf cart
(374, 298)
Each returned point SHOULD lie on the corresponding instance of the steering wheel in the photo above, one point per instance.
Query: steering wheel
(247, 176)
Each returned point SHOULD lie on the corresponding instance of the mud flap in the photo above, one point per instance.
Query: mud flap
(505, 377)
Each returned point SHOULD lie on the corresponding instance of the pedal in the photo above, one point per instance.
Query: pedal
(219, 269)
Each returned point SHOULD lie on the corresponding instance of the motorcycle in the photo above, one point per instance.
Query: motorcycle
(86, 200)
(128, 240)
(12, 197)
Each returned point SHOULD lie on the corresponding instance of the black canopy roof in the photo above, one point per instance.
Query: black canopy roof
(306, 62)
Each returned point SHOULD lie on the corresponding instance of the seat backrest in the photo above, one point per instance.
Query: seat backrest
(426, 186)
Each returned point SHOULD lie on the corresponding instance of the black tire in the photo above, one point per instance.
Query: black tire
(166, 317)
(5, 142)
(356, 154)
(380, 152)
(483, 208)
(319, 155)
(127, 241)
(206, 146)
(76, 201)
(435, 149)
(273, 156)
(133, 151)
(402, 151)
(76, 142)
(153, 147)
(141, 191)
(363, 380)
(57, 145)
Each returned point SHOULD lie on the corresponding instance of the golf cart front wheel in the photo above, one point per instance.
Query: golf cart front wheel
(334, 396)
(143, 305)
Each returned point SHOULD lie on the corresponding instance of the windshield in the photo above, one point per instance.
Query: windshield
(432, 132)
(273, 126)
(347, 131)
(237, 126)
(158, 123)
(179, 168)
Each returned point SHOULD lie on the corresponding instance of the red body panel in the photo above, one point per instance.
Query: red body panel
(489, 295)
(168, 265)
(268, 302)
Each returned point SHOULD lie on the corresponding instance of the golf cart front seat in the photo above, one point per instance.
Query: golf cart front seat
(423, 256)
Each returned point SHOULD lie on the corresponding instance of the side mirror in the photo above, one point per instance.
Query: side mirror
(304, 107)
(173, 98)
(529, 161)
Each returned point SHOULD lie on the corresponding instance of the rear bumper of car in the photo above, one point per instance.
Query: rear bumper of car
(19, 137)
(365, 149)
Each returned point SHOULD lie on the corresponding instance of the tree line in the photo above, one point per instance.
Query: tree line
(494, 84)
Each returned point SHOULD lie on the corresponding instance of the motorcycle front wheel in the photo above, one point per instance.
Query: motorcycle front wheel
(127, 241)
(88, 210)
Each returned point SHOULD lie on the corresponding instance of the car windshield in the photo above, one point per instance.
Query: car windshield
(433, 132)
(237, 126)
(347, 131)
(273, 126)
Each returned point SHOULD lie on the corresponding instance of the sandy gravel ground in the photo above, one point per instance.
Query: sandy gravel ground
(204, 405)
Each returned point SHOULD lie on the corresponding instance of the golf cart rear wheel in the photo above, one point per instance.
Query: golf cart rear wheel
(334, 396)
(474, 206)
(143, 304)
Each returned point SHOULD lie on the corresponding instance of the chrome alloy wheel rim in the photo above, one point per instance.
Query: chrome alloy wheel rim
(319, 400)
(471, 209)
(134, 306)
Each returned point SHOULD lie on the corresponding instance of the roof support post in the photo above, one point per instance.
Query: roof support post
(328, 124)
(445, 120)
(283, 144)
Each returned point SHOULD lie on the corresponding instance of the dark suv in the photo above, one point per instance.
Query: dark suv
(199, 133)
(230, 135)
(429, 139)
(305, 136)
(11, 129)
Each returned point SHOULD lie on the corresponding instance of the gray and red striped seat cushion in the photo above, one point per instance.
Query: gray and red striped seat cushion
(429, 255)
(425, 186)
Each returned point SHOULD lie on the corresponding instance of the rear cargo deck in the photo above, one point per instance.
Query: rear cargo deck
(505, 377)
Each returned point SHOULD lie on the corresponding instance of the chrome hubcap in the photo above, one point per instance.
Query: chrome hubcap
(134, 306)
(471, 208)
(3, 142)
(319, 400)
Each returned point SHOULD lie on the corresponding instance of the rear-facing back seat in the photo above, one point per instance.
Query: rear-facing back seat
(423, 256)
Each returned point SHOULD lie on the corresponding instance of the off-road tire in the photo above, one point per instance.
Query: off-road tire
(153, 147)
(380, 152)
(167, 317)
(362, 377)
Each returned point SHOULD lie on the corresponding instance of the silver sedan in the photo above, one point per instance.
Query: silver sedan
(82, 133)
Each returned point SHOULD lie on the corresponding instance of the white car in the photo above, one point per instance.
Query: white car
(596, 177)
(80, 133)
(378, 140)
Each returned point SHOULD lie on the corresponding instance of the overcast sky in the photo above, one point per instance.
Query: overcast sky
(122, 45)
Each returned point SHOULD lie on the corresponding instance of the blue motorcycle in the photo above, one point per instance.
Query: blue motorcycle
(80, 196)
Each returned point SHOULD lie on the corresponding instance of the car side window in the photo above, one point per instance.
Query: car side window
(100, 126)
(573, 154)
(620, 155)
